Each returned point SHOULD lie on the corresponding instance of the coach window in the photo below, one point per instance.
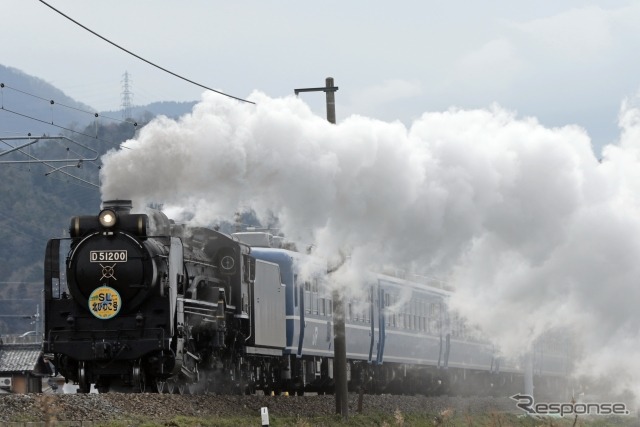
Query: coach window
(384, 302)
(455, 330)
(463, 329)
(393, 319)
(367, 311)
(316, 301)
(414, 314)
(434, 318)
(295, 290)
(397, 319)
(307, 297)
(406, 316)
(425, 316)
(416, 324)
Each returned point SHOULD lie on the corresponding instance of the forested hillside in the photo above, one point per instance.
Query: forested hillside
(35, 207)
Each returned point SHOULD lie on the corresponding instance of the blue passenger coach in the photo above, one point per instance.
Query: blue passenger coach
(400, 338)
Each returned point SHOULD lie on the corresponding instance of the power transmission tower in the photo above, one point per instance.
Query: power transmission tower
(126, 97)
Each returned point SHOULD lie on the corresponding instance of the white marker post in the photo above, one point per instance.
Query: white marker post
(264, 413)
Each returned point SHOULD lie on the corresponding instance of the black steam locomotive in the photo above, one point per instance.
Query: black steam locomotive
(134, 302)
(140, 301)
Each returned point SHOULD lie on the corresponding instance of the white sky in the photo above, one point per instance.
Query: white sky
(564, 62)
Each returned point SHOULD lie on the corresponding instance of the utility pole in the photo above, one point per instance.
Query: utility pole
(330, 90)
(339, 330)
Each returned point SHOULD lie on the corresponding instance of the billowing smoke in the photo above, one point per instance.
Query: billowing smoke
(530, 227)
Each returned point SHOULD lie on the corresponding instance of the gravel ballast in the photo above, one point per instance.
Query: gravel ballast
(102, 407)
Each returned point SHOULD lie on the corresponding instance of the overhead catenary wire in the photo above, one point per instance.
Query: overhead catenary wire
(55, 125)
(89, 185)
(53, 102)
(58, 169)
(143, 59)
(51, 123)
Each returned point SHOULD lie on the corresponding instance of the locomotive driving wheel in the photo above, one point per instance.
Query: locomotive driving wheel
(138, 378)
(83, 381)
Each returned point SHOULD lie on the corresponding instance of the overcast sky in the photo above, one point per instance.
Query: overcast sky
(564, 62)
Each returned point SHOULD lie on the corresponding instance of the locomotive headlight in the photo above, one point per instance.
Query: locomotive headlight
(107, 218)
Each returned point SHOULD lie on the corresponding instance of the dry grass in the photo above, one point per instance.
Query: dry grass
(444, 417)
(46, 405)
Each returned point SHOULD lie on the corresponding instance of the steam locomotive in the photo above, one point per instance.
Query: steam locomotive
(135, 302)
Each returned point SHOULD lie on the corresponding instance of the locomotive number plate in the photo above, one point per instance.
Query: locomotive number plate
(108, 256)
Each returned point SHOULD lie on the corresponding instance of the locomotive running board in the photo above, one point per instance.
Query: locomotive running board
(263, 351)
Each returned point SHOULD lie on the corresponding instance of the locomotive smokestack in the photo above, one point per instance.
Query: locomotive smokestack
(123, 206)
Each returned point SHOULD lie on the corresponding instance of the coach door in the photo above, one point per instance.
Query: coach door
(383, 302)
(372, 320)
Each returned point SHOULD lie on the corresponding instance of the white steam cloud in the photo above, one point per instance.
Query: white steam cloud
(530, 227)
